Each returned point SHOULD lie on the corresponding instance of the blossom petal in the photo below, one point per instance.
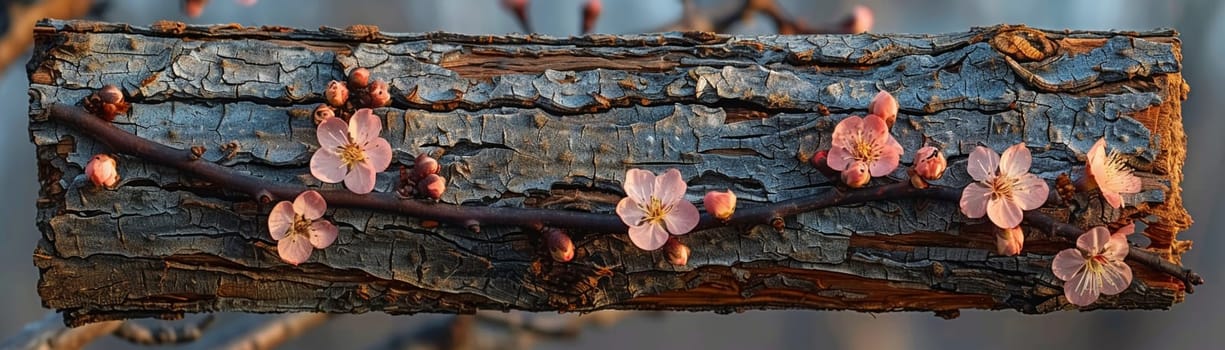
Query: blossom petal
(361, 179)
(378, 153)
(874, 127)
(649, 236)
(1093, 241)
(682, 218)
(974, 200)
(1122, 182)
(1096, 161)
(323, 233)
(839, 158)
(1067, 263)
(1083, 288)
(310, 204)
(844, 131)
(1003, 212)
(331, 133)
(670, 187)
(1116, 248)
(280, 220)
(639, 185)
(1112, 198)
(890, 154)
(1015, 161)
(364, 126)
(1116, 277)
(1030, 192)
(327, 167)
(983, 163)
(629, 212)
(294, 249)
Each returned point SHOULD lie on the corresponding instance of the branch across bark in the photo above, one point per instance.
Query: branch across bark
(553, 123)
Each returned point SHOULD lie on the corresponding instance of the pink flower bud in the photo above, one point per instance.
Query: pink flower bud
(359, 78)
(560, 245)
(678, 253)
(930, 163)
(194, 8)
(107, 103)
(323, 112)
(1008, 242)
(721, 205)
(424, 165)
(818, 161)
(856, 175)
(432, 186)
(884, 106)
(859, 21)
(101, 171)
(337, 94)
(591, 12)
(380, 94)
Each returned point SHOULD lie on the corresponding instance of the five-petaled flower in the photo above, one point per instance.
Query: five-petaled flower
(1110, 173)
(867, 140)
(655, 207)
(1004, 187)
(298, 227)
(1095, 266)
(351, 152)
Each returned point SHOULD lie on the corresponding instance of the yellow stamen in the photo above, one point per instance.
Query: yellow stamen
(351, 154)
(301, 226)
(862, 148)
(655, 210)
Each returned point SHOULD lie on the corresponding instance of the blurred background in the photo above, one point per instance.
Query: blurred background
(1195, 324)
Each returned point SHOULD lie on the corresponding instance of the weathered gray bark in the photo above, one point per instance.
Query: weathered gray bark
(530, 121)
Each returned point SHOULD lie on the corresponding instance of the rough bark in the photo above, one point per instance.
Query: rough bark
(541, 122)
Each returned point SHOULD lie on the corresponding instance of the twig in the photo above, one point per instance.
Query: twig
(144, 335)
(471, 216)
(278, 331)
(51, 334)
(694, 19)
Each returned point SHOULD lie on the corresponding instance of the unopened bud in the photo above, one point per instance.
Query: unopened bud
(424, 165)
(929, 163)
(107, 103)
(337, 94)
(102, 171)
(561, 248)
(678, 253)
(380, 94)
(1008, 242)
(432, 186)
(323, 112)
(591, 13)
(818, 161)
(884, 106)
(860, 20)
(359, 78)
(856, 175)
(721, 205)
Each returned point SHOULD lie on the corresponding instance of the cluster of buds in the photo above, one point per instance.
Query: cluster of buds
(106, 103)
(423, 179)
(561, 248)
(342, 98)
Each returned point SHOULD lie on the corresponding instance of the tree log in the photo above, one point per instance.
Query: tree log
(527, 121)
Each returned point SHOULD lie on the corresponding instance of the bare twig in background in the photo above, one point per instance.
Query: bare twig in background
(489, 330)
(278, 331)
(51, 334)
(137, 333)
(721, 21)
(15, 39)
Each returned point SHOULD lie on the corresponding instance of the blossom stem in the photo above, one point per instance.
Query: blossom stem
(463, 216)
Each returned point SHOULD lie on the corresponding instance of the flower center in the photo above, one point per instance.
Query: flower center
(301, 226)
(655, 210)
(1002, 186)
(351, 154)
(862, 149)
(1115, 165)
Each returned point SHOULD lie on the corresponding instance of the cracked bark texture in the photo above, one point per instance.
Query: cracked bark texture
(534, 121)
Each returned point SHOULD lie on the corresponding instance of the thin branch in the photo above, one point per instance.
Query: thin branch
(166, 335)
(278, 331)
(472, 216)
(51, 334)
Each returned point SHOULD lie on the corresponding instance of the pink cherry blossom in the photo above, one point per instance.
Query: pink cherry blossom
(298, 226)
(655, 207)
(1095, 266)
(867, 140)
(351, 152)
(1004, 187)
(1111, 174)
